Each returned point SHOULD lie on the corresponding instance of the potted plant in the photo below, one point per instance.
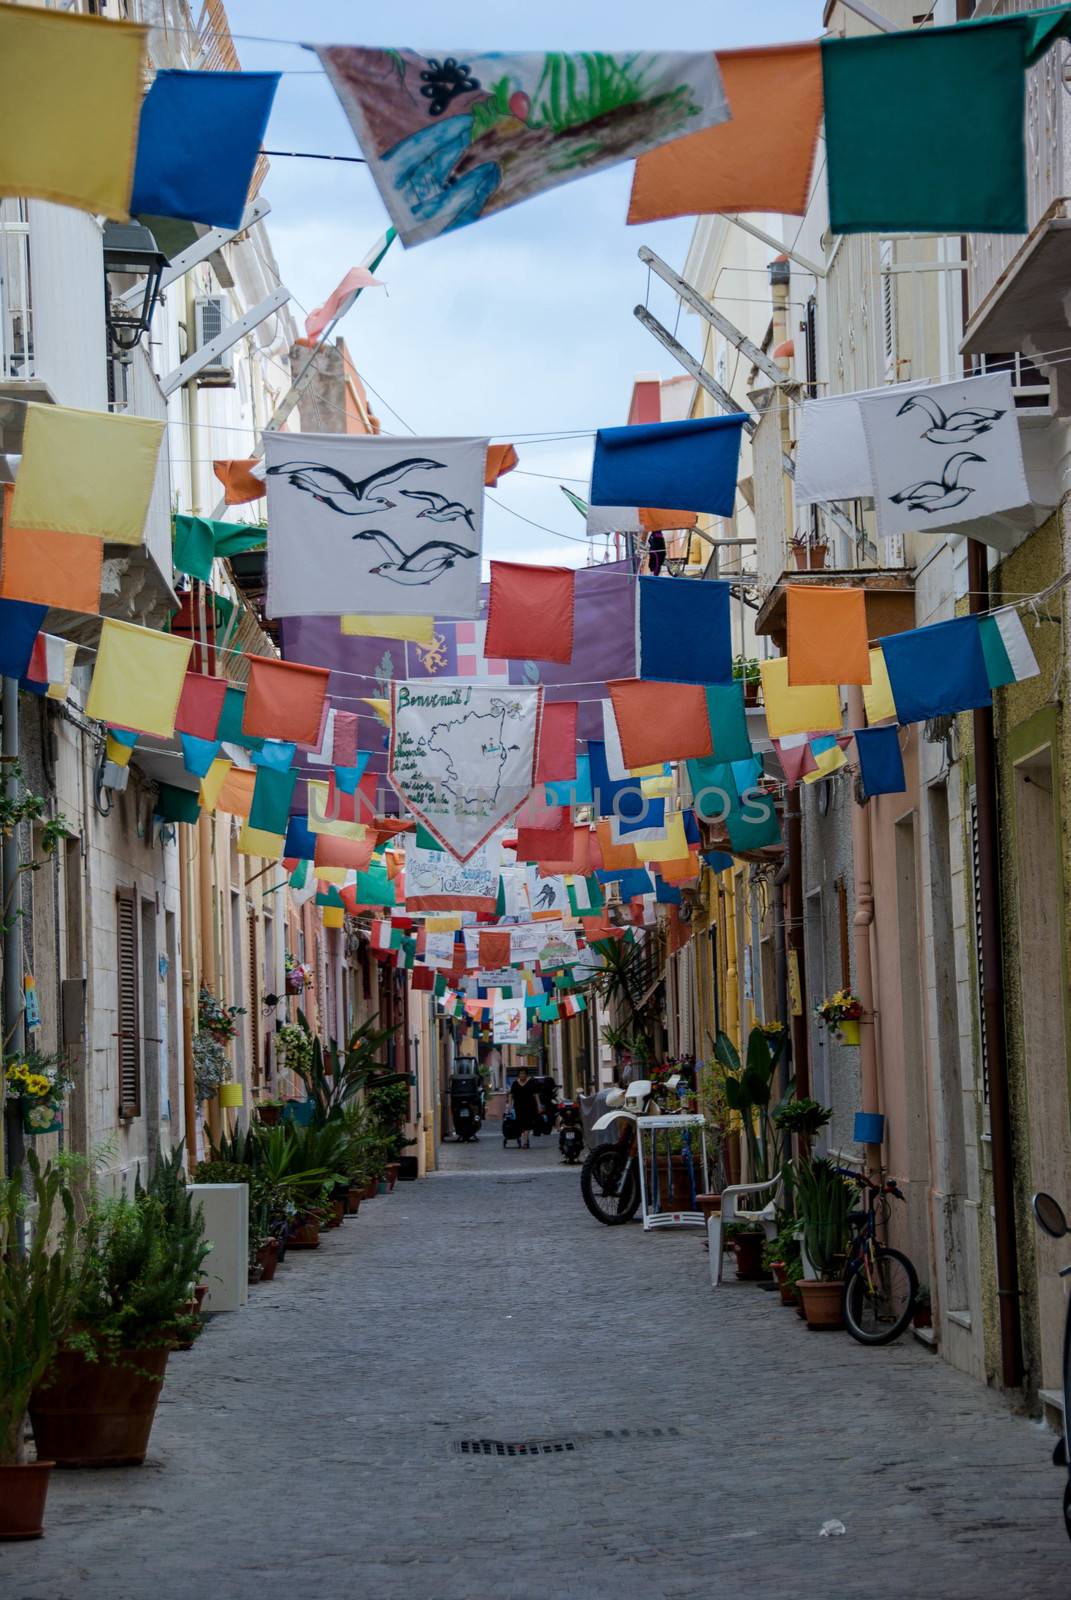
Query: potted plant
(922, 1316)
(269, 1111)
(841, 1013)
(782, 1257)
(808, 552)
(746, 671)
(298, 976)
(747, 1242)
(140, 1258)
(824, 1198)
(38, 1290)
(37, 1084)
(805, 1118)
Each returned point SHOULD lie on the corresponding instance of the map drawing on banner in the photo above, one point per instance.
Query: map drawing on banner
(436, 881)
(463, 757)
(361, 524)
(450, 136)
(509, 1023)
(944, 455)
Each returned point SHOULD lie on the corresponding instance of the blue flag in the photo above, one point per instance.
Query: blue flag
(687, 466)
(684, 631)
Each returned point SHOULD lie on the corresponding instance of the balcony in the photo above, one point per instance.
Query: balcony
(1018, 283)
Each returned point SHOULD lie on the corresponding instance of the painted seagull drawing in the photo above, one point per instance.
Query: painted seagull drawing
(955, 428)
(426, 564)
(438, 507)
(348, 496)
(939, 496)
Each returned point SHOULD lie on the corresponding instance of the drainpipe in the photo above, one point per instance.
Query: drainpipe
(207, 921)
(14, 1035)
(801, 1044)
(992, 976)
(189, 999)
(781, 961)
(862, 923)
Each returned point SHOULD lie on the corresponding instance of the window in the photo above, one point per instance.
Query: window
(128, 1031)
(16, 322)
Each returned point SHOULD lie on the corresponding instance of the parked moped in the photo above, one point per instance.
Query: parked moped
(1050, 1218)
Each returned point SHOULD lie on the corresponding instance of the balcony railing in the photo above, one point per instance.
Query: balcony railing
(1048, 158)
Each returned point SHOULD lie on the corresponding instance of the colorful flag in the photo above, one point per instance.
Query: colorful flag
(450, 137)
(937, 671)
(285, 700)
(138, 677)
(89, 472)
(1009, 656)
(377, 522)
(827, 637)
(881, 761)
(659, 722)
(49, 569)
(75, 82)
(341, 299)
(682, 631)
(530, 612)
(693, 463)
(794, 710)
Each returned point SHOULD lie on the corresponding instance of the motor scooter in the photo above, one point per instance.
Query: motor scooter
(570, 1132)
(466, 1105)
(1050, 1218)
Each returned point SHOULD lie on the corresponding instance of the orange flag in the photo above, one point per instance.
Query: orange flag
(49, 569)
(501, 458)
(236, 795)
(239, 484)
(827, 640)
(761, 160)
(660, 721)
(654, 520)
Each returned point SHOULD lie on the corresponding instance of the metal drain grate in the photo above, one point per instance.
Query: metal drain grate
(501, 1449)
(526, 1447)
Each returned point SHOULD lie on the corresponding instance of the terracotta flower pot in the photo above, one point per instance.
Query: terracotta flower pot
(810, 557)
(822, 1303)
(305, 1235)
(393, 1168)
(338, 1210)
(98, 1413)
(748, 1248)
(785, 1289)
(371, 1189)
(269, 1115)
(353, 1199)
(708, 1204)
(268, 1256)
(23, 1492)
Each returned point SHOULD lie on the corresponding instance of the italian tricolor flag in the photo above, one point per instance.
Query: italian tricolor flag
(1009, 657)
(573, 1004)
(380, 936)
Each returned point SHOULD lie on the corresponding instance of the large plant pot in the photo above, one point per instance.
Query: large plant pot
(305, 1235)
(23, 1492)
(371, 1189)
(268, 1256)
(392, 1175)
(748, 1248)
(353, 1199)
(269, 1115)
(809, 558)
(338, 1211)
(822, 1303)
(708, 1205)
(785, 1289)
(98, 1413)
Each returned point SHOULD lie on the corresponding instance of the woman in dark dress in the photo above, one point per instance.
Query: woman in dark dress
(526, 1105)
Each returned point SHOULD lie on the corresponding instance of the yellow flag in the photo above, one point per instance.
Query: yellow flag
(421, 630)
(447, 924)
(69, 108)
(320, 822)
(86, 472)
(259, 842)
(799, 710)
(119, 754)
(653, 787)
(830, 760)
(335, 875)
(380, 707)
(877, 694)
(334, 917)
(213, 782)
(673, 846)
(138, 677)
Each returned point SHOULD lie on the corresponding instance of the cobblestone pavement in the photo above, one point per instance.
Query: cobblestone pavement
(305, 1446)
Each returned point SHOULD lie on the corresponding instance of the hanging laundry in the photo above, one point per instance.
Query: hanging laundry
(530, 612)
(657, 723)
(761, 160)
(49, 568)
(198, 144)
(69, 110)
(242, 481)
(463, 758)
(1009, 656)
(693, 462)
(937, 671)
(86, 472)
(796, 710)
(452, 137)
(138, 677)
(683, 631)
(382, 522)
(896, 105)
(881, 761)
(827, 637)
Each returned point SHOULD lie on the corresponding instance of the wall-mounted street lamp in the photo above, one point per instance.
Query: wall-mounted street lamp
(130, 250)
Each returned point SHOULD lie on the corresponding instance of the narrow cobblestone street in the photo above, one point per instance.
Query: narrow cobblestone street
(305, 1447)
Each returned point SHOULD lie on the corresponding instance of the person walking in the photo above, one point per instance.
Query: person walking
(526, 1105)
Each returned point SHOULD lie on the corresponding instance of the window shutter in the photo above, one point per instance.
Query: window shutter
(128, 1032)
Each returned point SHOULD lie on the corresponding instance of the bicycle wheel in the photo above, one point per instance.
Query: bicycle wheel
(610, 1185)
(878, 1307)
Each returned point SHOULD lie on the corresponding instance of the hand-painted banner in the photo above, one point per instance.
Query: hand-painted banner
(509, 1022)
(435, 881)
(451, 137)
(373, 524)
(463, 757)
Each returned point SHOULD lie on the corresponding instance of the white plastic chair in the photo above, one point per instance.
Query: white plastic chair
(766, 1219)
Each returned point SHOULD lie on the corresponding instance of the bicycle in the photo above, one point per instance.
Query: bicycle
(880, 1284)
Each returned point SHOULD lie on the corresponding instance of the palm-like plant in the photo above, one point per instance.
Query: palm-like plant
(748, 1089)
(617, 983)
(825, 1198)
(38, 1292)
(335, 1076)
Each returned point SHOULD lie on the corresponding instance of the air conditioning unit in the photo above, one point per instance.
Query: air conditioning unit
(210, 319)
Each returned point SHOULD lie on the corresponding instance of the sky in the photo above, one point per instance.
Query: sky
(521, 324)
